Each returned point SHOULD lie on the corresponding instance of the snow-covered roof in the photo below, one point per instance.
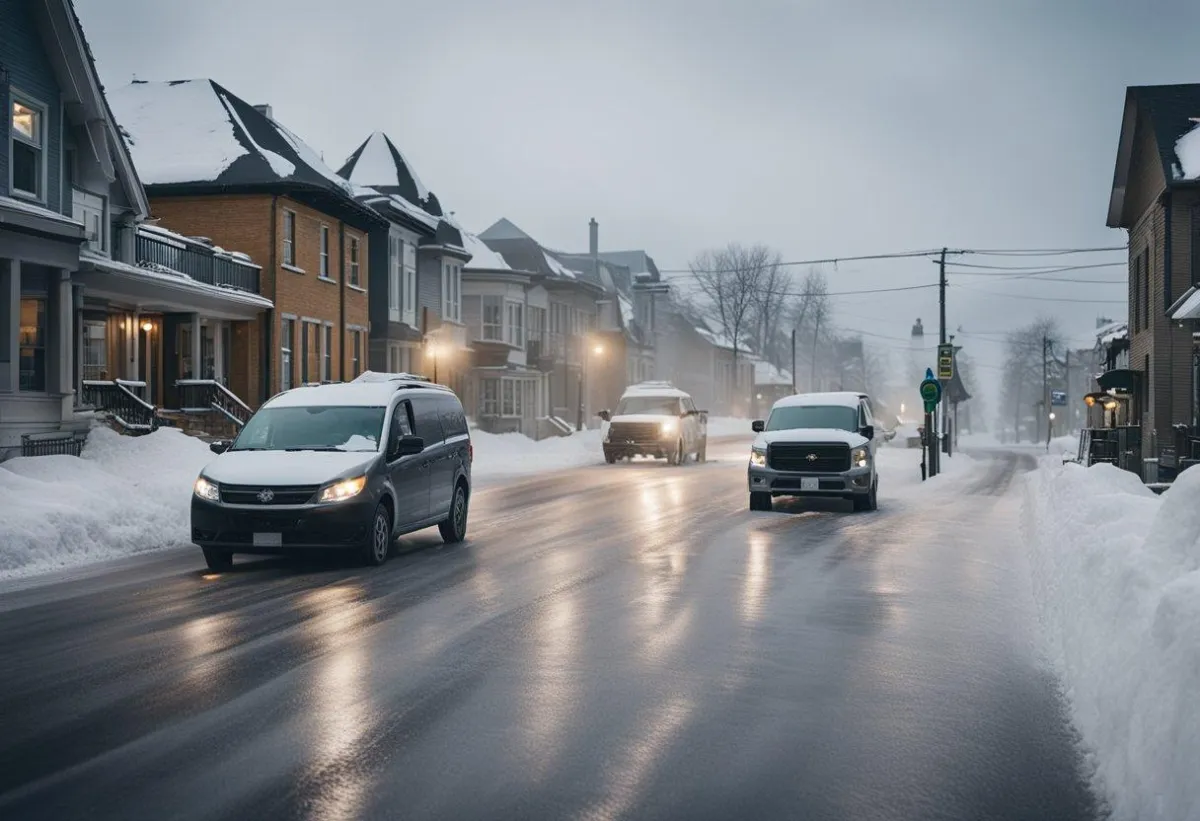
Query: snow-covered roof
(558, 268)
(378, 163)
(1112, 332)
(1187, 154)
(196, 133)
(767, 374)
(847, 399)
(504, 228)
(718, 339)
(655, 389)
(482, 257)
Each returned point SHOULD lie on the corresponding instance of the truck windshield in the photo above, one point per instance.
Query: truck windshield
(657, 405)
(826, 417)
(320, 427)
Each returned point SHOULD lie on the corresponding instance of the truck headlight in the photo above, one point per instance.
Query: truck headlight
(758, 457)
(341, 491)
(206, 490)
(860, 458)
(669, 427)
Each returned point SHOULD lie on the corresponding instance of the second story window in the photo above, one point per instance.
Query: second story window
(355, 275)
(324, 269)
(395, 263)
(451, 303)
(515, 327)
(27, 145)
(492, 329)
(409, 292)
(289, 238)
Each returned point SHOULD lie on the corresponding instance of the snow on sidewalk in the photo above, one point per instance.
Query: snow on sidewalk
(1116, 574)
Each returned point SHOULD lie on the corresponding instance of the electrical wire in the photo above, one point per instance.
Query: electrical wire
(1043, 298)
(826, 261)
(1041, 268)
(847, 293)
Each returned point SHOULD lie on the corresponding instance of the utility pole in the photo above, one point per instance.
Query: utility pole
(793, 360)
(1046, 386)
(1067, 387)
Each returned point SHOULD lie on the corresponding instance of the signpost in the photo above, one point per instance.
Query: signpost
(931, 395)
(945, 362)
(1058, 398)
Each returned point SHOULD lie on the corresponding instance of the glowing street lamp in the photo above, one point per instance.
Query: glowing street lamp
(435, 351)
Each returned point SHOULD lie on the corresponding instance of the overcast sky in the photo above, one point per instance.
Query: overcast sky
(824, 129)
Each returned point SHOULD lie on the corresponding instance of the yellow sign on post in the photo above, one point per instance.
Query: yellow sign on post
(945, 362)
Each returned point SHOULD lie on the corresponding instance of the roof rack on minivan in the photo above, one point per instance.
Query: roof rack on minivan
(402, 380)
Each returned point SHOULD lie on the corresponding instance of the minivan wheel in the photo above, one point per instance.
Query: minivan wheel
(218, 560)
(454, 527)
(379, 541)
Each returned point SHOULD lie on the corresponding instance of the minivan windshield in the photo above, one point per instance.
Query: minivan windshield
(657, 405)
(838, 417)
(319, 427)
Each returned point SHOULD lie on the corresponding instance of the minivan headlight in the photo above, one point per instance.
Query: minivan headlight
(758, 457)
(341, 491)
(206, 490)
(860, 458)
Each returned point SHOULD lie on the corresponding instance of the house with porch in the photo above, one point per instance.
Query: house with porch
(1155, 199)
(569, 351)
(417, 261)
(226, 173)
(505, 313)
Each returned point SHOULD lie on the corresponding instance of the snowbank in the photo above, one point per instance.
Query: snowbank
(900, 469)
(1116, 575)
(513, 454)
(126, 495)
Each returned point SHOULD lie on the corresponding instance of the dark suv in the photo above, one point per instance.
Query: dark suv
(351, 465)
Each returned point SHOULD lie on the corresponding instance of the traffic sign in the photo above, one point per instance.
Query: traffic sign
(931, 393)
(945, 361)
(1058, 398)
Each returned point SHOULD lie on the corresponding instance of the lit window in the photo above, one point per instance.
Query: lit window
(33, 345)
(28, 148)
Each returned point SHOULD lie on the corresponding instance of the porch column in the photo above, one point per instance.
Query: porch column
(134, 348)
(66, 336)
(197, 368)
(10, 346)
(219, 351)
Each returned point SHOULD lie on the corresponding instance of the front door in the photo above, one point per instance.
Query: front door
(409, 474)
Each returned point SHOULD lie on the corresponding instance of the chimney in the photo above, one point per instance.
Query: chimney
(265, 110)
(918, 329)
(594, 238)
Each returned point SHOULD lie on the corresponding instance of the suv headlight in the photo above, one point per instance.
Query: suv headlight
(860, 458)
(758, 457)
(341, 491)
(669, 427)
(206, 490)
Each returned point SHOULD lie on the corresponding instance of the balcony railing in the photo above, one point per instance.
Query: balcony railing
(201, 263)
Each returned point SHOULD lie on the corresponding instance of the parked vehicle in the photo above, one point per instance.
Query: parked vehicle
(656, 419)
(350, 465)
(909, 434)
(815, 444)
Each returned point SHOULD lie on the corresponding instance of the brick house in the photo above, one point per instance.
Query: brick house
(417, 261)
(216, 167)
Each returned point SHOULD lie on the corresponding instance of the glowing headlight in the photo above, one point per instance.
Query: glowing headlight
(758, 457)
(341, 491)
(669, 427)
(206, 490)
(860, 457)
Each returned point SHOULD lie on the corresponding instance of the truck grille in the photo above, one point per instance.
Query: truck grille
(801, 458)
(634, 432)
(278, 494)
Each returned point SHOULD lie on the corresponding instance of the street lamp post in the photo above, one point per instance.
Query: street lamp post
(433, 352)
(598, 350)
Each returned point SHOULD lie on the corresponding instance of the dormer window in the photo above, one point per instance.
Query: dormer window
(27, 145)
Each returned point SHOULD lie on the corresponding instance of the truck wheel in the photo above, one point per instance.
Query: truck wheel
(702, 453)
(218, 561)
(759, 500)
(608, 457)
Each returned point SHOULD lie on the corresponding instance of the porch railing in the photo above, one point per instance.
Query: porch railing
(57, 443)
(201, 264)
(119, 399)
(209, 394)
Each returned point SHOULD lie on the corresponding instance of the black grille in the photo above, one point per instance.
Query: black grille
(279, 494)
(635, 432)
(814, 458)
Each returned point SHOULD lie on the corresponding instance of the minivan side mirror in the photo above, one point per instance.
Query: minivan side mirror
(868, 431)
(758, 426)
(605, 415)
(219, 446)
(409, 445)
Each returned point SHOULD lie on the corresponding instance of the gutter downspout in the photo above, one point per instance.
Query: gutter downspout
(342, 300)
(266, 359)
(1169, 300)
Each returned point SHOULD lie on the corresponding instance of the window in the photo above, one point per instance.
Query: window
(451, 303)
(493, 319)
(324, 267)
(27, 145)
(286, 334)
(409, 291)
(833, 417)
(327, 353)
(345, 427)
(515, 328)
(289, 238)
(95, 349)
(354, 275)
(395, 263)
(355, 363)
(507, 397)
(1145, 298)
(537, 324)
(402, 420)
(489, 397)
(33, 345)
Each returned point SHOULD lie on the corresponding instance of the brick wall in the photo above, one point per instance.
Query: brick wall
(244, 223)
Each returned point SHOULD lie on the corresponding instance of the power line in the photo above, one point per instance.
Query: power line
(1044, 252)
(1036, 269)
(826, 261)
(847, 293)
(1044, 298)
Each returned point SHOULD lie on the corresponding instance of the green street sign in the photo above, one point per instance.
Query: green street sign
(931, 394)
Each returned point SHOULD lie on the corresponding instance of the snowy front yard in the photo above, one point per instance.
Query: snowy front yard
(1116, 573)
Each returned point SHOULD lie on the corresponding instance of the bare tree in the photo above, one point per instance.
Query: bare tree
(810, 315)
(1028, 362)
(732, 280)
(767, 309)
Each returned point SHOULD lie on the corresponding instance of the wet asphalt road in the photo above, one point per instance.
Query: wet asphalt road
(612, 642)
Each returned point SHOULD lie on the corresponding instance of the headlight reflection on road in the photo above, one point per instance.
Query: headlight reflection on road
(757, 577)
(206, 639)
(551, 699)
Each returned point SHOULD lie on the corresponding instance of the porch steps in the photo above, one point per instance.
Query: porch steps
(553, 426)
(207, 425)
